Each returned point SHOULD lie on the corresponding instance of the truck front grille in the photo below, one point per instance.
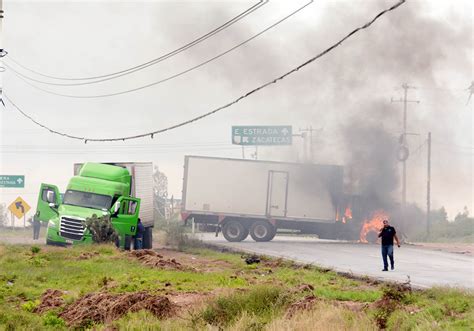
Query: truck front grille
(71, 228)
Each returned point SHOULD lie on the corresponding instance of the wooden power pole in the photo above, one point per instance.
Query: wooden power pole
(405, 101)
(428, 188)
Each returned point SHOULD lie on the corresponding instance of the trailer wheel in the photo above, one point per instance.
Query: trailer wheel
(262, 231)
(234, 231)
(148, 238)
(128, 242)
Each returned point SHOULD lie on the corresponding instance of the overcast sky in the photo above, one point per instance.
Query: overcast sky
(428, 44)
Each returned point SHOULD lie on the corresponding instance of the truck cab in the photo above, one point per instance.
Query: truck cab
(100, 189)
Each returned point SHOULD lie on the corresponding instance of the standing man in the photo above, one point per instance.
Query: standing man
(387, 233)
(36, 227)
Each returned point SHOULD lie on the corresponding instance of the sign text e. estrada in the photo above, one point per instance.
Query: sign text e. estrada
(262, 135)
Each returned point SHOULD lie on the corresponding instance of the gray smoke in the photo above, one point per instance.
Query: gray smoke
(370, 159)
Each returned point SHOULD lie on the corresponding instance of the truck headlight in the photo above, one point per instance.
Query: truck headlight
(52, 224)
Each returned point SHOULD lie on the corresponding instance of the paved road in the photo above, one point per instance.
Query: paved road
(425, 267)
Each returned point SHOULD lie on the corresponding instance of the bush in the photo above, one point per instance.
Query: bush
(51, 319)
(35, 249)
(101, 229)
(262, 302)
(29, 306)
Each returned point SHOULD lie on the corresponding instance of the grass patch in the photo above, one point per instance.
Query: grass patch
(257, 295)
(262, 303)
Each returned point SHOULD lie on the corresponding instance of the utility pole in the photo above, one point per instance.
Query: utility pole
(428, 188)
(405, 101)
(2, 52)
(305, 136)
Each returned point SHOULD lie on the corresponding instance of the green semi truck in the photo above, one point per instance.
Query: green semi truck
(122, 190)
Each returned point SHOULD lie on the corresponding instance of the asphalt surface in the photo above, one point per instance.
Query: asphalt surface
(426, 268)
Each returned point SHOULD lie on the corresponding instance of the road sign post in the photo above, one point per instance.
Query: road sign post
(19, 208)
(12, 181)
(258, 135)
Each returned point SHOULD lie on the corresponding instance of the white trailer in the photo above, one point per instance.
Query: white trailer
(259, 197)
(142, 187)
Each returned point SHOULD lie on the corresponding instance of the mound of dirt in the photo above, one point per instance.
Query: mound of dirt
(306, 303)
(49, 300)
(106, 307)
(153, 259)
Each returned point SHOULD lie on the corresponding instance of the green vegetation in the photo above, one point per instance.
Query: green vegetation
(221, 291)
(101, 229)
(460, 229)
(262, 302)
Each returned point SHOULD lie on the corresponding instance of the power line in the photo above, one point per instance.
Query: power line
(175, 75)
(116, 152)
(443, 143)
(102, 78)
(212, 112)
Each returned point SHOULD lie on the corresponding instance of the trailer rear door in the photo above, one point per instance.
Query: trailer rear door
(277, 197)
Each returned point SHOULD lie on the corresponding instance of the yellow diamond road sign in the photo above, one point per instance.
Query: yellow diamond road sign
(19, 207)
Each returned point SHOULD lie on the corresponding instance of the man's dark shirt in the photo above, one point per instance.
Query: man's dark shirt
(140, 230)
(387, 235)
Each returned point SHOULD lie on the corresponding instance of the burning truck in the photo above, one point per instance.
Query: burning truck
(258, 198)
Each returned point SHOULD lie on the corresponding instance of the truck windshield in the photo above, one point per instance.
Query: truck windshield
(87, 199)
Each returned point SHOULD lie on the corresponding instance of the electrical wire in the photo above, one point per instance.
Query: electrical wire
(418, 149)
(117, 152)
(443, 143)
(175, 75)
(102, 78)
(214, 111)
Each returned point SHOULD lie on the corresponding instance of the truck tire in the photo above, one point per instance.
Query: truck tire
(262, 231)
(234, 231)
(128, 242)
(148, 238)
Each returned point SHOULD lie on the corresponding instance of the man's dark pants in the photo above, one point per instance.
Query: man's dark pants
(36, 229)
(387, 250)
(138, 244)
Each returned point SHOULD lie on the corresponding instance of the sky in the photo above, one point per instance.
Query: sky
(427, 44)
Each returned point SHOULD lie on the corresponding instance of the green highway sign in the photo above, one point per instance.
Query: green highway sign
(12, 181)
(262, 135)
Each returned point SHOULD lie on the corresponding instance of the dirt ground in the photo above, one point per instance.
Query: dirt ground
(105, 307)
(188, 260)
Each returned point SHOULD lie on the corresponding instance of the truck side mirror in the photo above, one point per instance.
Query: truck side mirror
(50, 196)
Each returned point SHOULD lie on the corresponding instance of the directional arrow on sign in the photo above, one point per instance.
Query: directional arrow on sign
(19, 206)
(285, 131)
(19, 180)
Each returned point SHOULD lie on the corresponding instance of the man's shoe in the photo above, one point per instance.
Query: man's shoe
(384, 269)
(392, 268)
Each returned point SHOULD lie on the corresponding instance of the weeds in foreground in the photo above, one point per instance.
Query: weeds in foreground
(262, 303)
(393, 295)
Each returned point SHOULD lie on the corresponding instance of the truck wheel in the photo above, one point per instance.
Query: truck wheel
(234, 231)
(274, 232)
(262, 231)
(128, 242)
(148, 238)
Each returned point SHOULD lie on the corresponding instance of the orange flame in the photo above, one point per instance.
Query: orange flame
(348, 213)
(372, 225)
